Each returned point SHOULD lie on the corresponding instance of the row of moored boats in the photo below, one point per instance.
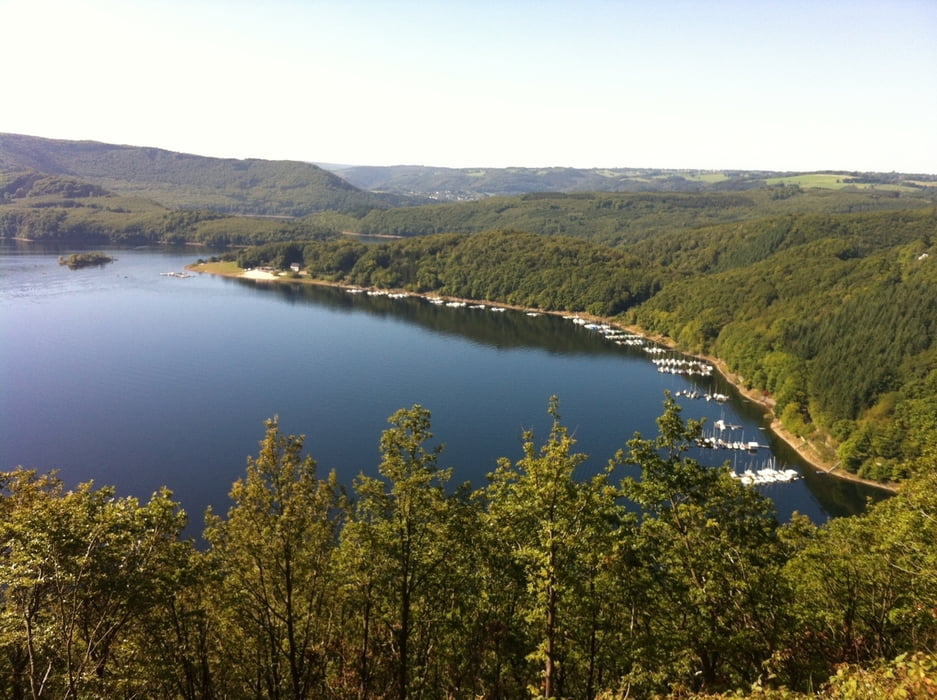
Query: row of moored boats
(438, 301)
(766, 475)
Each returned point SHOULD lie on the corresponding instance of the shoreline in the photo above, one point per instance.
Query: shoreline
(805, 450)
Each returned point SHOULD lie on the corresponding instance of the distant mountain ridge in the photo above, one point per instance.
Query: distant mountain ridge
(257, 187)
(186, 181)
(460, 184)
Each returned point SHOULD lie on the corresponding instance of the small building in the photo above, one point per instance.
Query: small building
(294, 267)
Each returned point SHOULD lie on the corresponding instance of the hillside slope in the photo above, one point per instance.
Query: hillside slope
(834, 317)
(619, 219)
(185, 181)
(40, 207)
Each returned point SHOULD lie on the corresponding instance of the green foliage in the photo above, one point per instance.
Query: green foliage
(826, 315)
(715, 611)
(847, 235)
(407, 567)
(79, 260)
(81, 572)
(507, 266)
(867, 586)
(544, 583)
(907, 676)
(621, 219)
(556, 530)
(274, 556)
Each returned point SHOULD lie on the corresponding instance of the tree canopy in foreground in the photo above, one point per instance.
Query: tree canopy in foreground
(655, 576)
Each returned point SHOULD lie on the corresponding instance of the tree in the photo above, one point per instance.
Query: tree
(176, 638)
(713, 552)
(403, 558)
(555, 529)
(78, 570)
(867, 585)
(274, 554)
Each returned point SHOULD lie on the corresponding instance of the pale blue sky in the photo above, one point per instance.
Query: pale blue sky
(787, 85)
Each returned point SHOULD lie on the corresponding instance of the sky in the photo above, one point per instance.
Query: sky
(792, 85)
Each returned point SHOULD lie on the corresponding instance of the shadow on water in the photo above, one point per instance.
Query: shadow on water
(482, 326)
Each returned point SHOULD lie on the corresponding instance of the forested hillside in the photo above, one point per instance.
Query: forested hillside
(507, 266)
(621, 219)
(46, 208)
(185, 181)
(834, 317)
(657, 577)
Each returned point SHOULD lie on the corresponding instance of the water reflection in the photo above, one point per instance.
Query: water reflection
(482, 326)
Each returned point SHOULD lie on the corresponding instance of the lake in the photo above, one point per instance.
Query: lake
(136, 379)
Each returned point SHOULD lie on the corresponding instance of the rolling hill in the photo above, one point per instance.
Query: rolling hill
(460, 184)
(183, 181)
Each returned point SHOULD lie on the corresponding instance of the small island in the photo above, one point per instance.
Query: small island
(79, 260)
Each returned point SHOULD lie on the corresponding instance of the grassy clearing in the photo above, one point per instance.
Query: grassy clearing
(707, 177)
(228, 269)
(837, 181)
(832, 181)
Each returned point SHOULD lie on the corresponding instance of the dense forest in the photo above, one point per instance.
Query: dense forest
(621, 219)
(835, 318)
(508, 266)
(656, 577)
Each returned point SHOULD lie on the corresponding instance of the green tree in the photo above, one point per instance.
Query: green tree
(177, 638)
(79, 569)
(712, 549)
(274, 557)
(403, 561)
(556, 530)
(867, 585)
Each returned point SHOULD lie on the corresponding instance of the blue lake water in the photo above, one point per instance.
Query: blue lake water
(138, 380)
